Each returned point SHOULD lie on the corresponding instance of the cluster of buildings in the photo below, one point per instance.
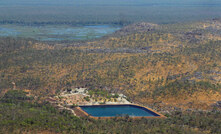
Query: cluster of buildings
(80, 96)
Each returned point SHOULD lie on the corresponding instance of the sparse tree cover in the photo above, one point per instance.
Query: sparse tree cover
(164, 68)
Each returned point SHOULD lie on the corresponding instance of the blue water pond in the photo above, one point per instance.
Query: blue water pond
(117, 110)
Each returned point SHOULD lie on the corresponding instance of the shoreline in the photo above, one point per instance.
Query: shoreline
(81, 113)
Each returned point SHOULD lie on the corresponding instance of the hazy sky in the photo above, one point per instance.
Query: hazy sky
(159, 11)
(106, 2)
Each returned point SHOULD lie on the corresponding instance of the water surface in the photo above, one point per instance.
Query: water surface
(57, 32)
(117, 110)
(95, 12)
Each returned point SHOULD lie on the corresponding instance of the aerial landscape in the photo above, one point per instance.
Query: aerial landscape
(110, 66)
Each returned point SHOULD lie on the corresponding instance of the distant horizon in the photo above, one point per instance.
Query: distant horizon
(158, 11)
(109, 2)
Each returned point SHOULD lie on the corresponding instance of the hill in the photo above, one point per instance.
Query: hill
(163, 66)
(173, 68)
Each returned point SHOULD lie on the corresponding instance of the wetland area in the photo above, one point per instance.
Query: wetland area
(57, 32)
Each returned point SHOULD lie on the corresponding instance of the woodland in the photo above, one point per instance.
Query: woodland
(172, 68)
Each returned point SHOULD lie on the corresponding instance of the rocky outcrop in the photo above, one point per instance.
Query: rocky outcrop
(136, 28)
(217, 104)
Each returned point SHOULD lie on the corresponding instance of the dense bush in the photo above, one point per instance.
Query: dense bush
(15, 96)
(40, 117)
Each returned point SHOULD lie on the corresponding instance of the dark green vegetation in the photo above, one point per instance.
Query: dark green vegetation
(21, 116)
(15, 96)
